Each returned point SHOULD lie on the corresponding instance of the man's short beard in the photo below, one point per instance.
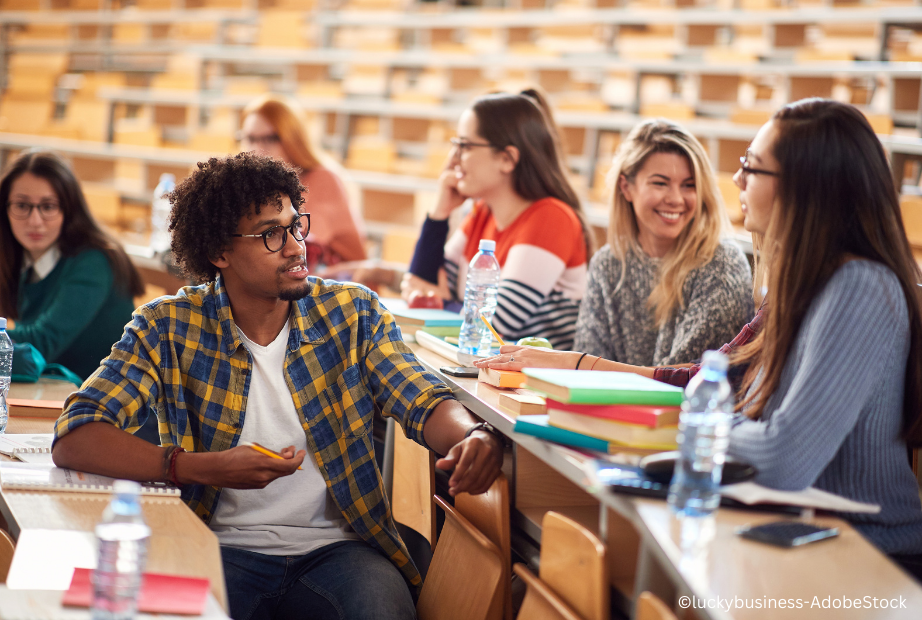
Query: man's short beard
(295, 294)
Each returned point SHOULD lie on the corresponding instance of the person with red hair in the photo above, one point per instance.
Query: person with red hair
(272, 127)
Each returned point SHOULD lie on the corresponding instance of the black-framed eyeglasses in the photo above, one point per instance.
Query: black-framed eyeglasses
(466, 145)
(276, 237)
(265, 140)
(22, 210)
(747, 169)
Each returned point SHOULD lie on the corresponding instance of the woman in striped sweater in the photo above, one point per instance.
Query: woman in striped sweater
(506, 158)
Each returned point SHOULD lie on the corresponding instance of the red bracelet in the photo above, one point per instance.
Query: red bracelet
(594, 363)
(173, 456)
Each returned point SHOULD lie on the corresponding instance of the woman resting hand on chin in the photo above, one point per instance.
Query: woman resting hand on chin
(506, 158)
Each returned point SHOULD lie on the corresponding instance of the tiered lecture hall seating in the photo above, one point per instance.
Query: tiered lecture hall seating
(385, 80)
(129, 89)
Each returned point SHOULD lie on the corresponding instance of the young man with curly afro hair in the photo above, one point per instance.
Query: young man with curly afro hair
(262, 352)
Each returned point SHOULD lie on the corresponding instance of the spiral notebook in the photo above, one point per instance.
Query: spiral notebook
(47, 477)
(34, 448)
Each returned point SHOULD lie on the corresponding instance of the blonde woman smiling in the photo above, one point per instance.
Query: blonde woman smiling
(668, 285)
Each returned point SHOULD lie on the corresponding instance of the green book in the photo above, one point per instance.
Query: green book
(598, 387)
(538, 426)
(442, 332)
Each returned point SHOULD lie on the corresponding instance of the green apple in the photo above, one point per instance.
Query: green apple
(531, 341)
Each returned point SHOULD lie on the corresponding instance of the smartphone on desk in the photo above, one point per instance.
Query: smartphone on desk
(787, 533)
(467, 372)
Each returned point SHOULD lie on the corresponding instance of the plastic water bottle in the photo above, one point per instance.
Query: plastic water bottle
(122, 536)
(6, 369)
(704, 435)
(160, 214)
(479, 298)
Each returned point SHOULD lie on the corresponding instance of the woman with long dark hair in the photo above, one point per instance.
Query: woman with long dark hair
(832, 396)
(506, 158)
(68, 285)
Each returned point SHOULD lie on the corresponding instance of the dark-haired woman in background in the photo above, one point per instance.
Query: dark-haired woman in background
(506, 158)
(833, 393)
(68, 285)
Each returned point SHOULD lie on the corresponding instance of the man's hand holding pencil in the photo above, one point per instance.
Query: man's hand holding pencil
(243, 467)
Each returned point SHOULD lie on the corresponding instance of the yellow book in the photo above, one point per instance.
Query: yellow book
(634, 435)
(522, 404)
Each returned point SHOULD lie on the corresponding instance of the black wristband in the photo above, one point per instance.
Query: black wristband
(580, 360)
(483, 426)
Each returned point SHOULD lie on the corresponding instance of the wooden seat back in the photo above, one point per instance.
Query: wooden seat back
(540, 602)
(7, 547)
(489, 513)
(464, 578)
(574, 566)
(651, 607)
(414, 486)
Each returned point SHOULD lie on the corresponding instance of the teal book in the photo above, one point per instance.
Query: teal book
(538, 426)
(598, 387)
(421, 317)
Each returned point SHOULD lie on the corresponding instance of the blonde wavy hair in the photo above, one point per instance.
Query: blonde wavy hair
(696, 244)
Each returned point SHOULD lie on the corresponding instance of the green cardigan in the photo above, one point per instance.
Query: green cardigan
(75, 314)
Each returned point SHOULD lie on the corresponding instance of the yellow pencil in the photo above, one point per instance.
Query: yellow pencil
(266, 451)
(495, 335)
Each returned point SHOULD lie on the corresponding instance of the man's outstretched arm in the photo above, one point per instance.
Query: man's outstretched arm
(476, 459)
(102, 448)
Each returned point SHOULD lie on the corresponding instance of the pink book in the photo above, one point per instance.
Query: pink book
(648, 415)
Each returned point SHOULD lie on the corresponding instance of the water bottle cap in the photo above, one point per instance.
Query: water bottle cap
(487, 245)
(2, 323)
(715, 360)
(127, 487)
(167, 177)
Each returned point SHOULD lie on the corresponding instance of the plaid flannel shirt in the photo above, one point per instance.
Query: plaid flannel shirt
(181, 358)
(681, 376)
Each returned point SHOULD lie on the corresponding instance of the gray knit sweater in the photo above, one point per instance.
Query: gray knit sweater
(618, 325)
(834, 421)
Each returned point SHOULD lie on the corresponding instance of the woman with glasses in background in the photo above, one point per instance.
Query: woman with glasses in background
(506, 158)
(68, 284)
(271, 127)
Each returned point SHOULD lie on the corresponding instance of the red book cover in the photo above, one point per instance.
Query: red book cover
(160, 594)
(647, 415)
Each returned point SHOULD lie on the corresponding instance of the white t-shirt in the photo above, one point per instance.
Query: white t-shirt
(294, 514)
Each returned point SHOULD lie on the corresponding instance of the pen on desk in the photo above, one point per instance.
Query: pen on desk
(266, 451)
(495, 335)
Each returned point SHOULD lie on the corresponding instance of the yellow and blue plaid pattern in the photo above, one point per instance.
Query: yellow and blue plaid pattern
(181, 358)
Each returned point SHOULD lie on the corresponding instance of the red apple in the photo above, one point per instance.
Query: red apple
(418, 299)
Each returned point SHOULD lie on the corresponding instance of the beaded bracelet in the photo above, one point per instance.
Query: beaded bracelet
(167, 458)
(173, 456)
(580, 360)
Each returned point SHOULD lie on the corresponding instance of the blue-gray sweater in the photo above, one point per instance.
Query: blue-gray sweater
(834, 421)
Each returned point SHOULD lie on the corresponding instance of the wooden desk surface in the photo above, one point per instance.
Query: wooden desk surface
(714, 563)
(54, 534)
(44, 389)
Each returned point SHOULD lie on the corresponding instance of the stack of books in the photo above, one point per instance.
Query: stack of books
(439, 323)
(604, 411)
